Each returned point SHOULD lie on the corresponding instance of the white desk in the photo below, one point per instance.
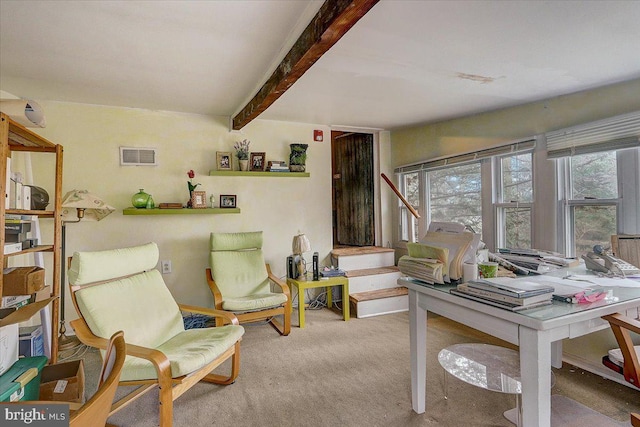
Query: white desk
(538, 332)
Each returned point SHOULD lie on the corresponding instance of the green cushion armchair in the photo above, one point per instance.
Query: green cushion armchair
(121, 290)
(241, 281)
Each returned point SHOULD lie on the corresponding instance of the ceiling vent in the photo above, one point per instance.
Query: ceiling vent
(132, 156)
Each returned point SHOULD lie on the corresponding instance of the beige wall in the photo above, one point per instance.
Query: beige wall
(281, 207)
(420, 143)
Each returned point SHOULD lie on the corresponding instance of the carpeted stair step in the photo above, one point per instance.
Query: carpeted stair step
(357, 258)
(373, 279)
(378, 302)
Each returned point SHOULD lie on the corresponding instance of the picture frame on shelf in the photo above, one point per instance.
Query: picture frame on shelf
(199, 199)
(258, 162)
(228, 200)
(223, 160)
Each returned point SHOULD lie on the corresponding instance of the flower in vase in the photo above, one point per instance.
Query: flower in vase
(242, 149)
(191, 174)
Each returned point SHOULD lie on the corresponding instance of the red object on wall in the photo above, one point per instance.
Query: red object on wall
(317, 135)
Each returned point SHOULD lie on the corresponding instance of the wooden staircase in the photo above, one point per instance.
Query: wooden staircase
(373, 276)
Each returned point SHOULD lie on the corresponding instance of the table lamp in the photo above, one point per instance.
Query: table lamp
(77, 205)
(299, 246)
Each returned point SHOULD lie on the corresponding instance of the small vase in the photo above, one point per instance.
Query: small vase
(244, 164)
(139, 200)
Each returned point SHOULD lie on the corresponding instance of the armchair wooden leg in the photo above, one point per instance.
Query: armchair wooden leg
(235, 369)
(166, 408)
(283, 328)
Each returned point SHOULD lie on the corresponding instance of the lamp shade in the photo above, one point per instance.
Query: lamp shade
(300, 244)
(94, 208)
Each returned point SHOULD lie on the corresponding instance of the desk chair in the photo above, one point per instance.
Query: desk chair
(121, 289)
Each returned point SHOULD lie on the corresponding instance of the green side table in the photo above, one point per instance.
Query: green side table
(327, 282)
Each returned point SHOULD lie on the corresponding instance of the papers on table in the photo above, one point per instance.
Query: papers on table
(604, 281)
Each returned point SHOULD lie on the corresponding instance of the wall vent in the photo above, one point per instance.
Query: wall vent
(132, 156)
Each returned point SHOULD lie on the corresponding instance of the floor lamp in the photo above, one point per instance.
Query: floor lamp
(77, 205)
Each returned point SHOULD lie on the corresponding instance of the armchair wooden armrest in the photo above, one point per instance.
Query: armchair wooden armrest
(210, 312)
(217, 295)
(282, 285)
(88, 338)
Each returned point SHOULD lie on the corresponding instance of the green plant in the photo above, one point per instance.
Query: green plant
(242, 149)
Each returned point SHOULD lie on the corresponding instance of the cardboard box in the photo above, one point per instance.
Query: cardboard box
(15, 301)
(31, 341)
(63, 382)
(9, 320)
(22, 280)
(42, 294)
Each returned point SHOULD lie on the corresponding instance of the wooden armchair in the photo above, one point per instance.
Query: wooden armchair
(240, 281)
(121, 290)
(96, 410)
(622, 327)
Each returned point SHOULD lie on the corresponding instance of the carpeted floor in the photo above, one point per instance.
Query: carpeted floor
(355, 373)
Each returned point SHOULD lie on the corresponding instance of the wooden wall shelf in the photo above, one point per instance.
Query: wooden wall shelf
(184, 211)
(250, 173)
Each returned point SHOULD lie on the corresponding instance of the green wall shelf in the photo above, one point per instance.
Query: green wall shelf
(184, 211)
(250, 173)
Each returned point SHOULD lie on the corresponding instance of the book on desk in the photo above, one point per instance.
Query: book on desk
(514, 295)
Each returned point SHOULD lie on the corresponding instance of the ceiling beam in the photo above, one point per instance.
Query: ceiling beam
(332, 21)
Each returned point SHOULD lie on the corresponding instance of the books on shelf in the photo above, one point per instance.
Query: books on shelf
(277, 166)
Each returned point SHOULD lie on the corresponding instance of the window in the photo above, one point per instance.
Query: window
(598, 181)
(514, 183)
(455, 195)
(451, 190)
(410, 190)
(592, 200)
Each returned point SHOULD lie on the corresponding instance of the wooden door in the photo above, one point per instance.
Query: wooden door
(353, 189)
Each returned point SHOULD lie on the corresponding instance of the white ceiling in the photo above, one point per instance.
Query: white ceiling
(405, 62)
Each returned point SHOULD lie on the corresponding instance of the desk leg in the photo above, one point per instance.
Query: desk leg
(345, 301)
(535, 367)
(556, 354)
(329, 296)
(418, 347)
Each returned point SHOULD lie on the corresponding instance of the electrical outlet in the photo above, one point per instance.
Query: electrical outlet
(166, 266)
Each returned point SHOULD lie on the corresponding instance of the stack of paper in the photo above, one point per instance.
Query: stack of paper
(457, 244)
(424, 262)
